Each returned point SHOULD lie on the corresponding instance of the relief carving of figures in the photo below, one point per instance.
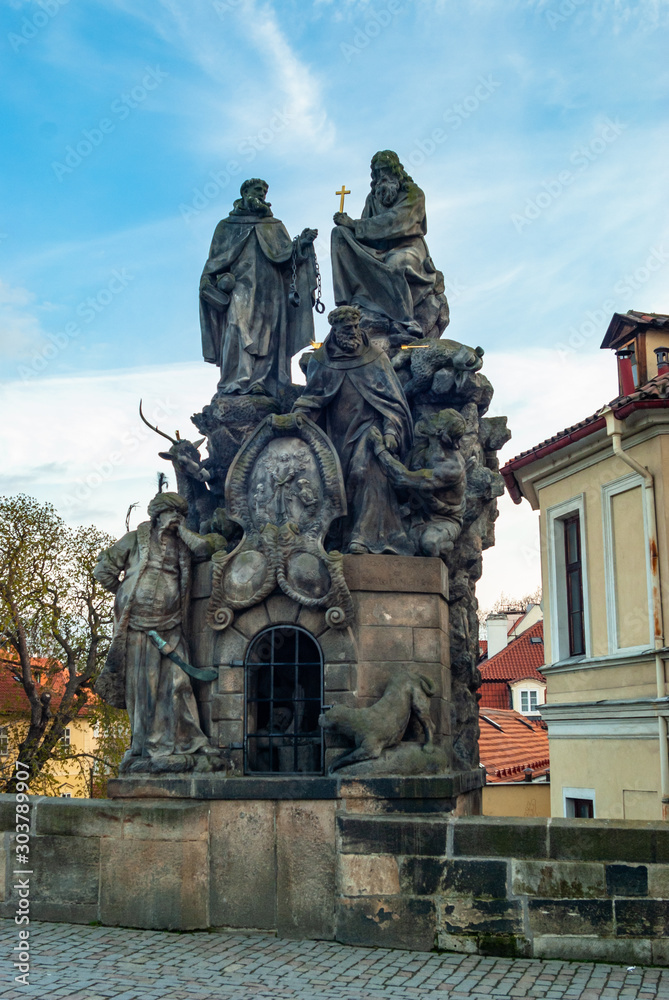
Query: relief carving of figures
(352, 388)
(284, 488)
(149, 570)
(254, 317)
(381, 262)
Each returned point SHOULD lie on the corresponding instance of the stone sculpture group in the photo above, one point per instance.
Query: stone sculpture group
(386, 450)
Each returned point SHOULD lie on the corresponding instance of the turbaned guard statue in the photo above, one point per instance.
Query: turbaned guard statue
(149, 570)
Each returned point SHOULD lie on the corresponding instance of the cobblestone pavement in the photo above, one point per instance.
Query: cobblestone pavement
(78, 962)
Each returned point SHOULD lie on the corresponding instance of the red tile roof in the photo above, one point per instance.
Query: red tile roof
(483, 647)
(520, 659)
(509, 743)
(12, 695)
(495, 694)
(623, 326)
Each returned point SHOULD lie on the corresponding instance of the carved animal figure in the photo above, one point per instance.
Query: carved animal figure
(191, 475)
(382, 726)
(431, 356)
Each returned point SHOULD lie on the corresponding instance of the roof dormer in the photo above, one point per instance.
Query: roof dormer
(640, 342)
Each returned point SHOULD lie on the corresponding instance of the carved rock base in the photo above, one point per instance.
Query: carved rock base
(228, 420)
(406, 759)
(175, 764)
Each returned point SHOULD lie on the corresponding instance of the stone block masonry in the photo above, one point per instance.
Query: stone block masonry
(400, 621)
(357, 862)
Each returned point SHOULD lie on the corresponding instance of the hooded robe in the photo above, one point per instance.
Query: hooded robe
(383, 264)
(254, 337)
(350, 395)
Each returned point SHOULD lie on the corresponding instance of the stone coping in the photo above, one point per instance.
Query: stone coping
(295, 787)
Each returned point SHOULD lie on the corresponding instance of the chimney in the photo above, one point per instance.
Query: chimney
(662, 355)
(627, 386)
(497, 627)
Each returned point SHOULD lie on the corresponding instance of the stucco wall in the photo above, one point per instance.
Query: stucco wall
(609, 766)
(518, 798)
(589, 482)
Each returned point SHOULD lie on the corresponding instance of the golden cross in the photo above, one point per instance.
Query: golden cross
(343, 194)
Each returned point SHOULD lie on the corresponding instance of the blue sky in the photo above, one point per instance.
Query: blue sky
(537, 130)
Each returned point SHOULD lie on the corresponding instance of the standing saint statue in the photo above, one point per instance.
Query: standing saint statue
(353, 388)
(149, 570)
(256, 296)
(381, 262)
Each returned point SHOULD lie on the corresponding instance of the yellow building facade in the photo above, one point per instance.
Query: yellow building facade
(66, 778)
(602, 489)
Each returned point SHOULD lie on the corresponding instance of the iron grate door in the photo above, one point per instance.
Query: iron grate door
(283, 698)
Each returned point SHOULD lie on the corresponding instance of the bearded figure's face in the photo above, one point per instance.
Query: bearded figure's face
(347, 337)
(255, 200)
(386, 186)
(168, 521)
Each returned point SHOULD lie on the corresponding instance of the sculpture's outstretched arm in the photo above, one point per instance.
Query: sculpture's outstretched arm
(198, 544)
(399, 475)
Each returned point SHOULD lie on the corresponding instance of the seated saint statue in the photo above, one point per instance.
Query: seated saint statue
(381, 262)
(250, 327)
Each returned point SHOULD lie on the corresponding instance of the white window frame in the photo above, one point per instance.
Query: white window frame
(610, 490)
(578, 793)
(529, 692)
(533, 687)
(66, 738)
(4, 739)
(557, 570)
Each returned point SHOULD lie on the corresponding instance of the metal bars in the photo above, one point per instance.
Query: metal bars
(283, 697)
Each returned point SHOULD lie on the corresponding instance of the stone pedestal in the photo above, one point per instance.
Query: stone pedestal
(400, 622)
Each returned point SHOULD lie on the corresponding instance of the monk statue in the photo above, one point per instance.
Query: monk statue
(351, 389)
(256, 296)
(381, 262)
(149, 571)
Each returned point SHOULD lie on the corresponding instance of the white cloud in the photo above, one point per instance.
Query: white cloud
(20, 328)
(301, 87)
(81, 443)
(224, 111)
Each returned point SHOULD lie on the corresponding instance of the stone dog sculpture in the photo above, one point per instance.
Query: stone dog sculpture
(382, 726)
